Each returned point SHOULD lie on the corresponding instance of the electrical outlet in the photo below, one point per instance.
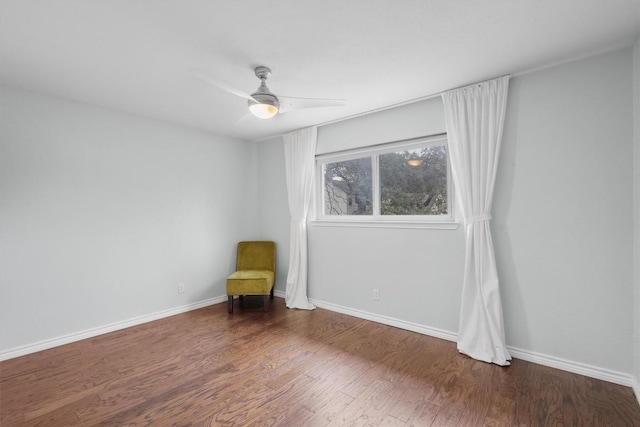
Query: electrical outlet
(376, 295)
(181, 288)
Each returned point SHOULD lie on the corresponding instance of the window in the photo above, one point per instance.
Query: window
(404, 182)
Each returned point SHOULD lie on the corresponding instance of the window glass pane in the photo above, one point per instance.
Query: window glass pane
(414, 182)
(347, 187)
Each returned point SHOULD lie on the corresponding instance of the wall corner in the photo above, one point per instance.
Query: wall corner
(636, 218)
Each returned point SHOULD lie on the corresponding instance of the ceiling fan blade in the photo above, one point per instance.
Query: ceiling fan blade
(245, 119)
(207, 77)
(288, 103)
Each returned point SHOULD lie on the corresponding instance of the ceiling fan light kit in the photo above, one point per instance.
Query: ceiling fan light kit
(263, 104)
(263, 111)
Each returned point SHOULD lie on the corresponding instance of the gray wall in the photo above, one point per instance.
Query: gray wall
(102, 214)
(562, 221)
(274, 205)
(404, 122)
(563, 214)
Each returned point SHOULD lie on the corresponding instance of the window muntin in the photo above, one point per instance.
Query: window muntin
(401, 181)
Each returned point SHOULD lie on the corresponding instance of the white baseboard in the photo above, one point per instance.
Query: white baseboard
(402, 324)
(530, 356)
(573, 367)
(90, 333)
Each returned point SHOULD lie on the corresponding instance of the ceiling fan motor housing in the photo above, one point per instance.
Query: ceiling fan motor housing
(264, 98)
(263, 95)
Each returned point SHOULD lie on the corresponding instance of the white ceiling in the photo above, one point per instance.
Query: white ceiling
(138, 56)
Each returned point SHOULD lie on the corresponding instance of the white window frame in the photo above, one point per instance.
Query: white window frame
(376, 220)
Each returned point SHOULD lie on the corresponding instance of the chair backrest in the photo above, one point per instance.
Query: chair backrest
(256, 255)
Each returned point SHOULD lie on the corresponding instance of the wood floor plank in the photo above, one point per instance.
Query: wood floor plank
(285, 408)
(325, 413)
(502, 407)
(368, 408)
(403, 403)
(291, 368)
(424, 415)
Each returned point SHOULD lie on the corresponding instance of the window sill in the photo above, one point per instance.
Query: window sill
(372, 223)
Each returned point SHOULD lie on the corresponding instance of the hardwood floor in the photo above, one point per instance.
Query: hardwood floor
(292, 368)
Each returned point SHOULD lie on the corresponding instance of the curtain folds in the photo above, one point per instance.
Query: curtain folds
(474, 117)
(299, 152)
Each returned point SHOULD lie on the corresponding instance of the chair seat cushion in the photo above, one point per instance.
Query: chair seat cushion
(250, 282)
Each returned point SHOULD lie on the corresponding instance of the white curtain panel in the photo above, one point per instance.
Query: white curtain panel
(299, 152)
(474, 117)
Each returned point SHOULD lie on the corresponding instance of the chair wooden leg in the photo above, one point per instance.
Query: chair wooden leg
(272, 292)
(267, 301)
(230, 303)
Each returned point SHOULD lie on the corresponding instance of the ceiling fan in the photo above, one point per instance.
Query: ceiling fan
(263, 103)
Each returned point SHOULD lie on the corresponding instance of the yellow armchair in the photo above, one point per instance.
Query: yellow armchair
(255, 272)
